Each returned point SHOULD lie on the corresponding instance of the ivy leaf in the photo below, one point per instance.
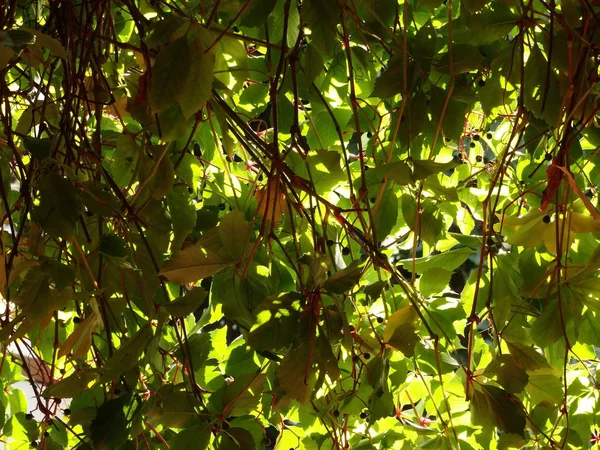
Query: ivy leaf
(384, 223)
(197, 84)
(170, 74)
(465, 58)
(494, 406)
(186, 304)
(109, 430)
(526, 358)
(345, 279)
(510, 376)
(424, 168)
(70, 386)
(198, 437)
(291, 374)
(400, 332)
(190, 170)
(183, 215)
(276, 322)
(127, 355)
(243, 395)
(449, 260)
(254, 15)
(322, 19)
(545, 389)
(235, 232)
(194, 263)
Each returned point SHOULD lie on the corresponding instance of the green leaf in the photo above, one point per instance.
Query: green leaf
(384, 223)
(170, 74)
(322, 19)
(424, 168)
(186, 304)
(465, 58)
(235, 233)
(400, 331)
(191, 171)
(345, 279)
(160, 32)
(545, 389)
(198, 437)
(508, 375)
(254, 15)
(39, 148)
(527, 358)
(127, 355)
(493, 406)
(70, 386)
(291, 374)
(390, 82)
(449, 260)
(194, 263)
(109, 429)
(276, 322)
(113, 245)
(183, 214)
(197, 84)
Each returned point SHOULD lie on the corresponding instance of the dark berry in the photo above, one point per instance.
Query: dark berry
(548, 157)
(479, 158)
(372, 199)
(57, 401)
(336, 413)
(355, 358)
(28, 416)
(490, 241)
(475, 137)
(346, 251)
(76, 319)
(472, 145)
(366, 355)
(489, 135)
(481, 83)
(363, 415)
(380, 320)
(546, 219)
(46, 434)
(34, 443)
(67, 412)
(222, 206)
(330, 242)
(367, 168)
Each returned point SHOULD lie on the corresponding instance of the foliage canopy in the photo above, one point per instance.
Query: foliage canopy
(300, 224)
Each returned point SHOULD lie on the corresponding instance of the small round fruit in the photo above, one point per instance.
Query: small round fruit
(380, 320)
(28, 416)
(476, 137)
(346, 251)
(67, 412)
(479, 158)
(548, 156)
(363, 415)
(481, 83)
(76, 319)
(546, 219)
(336, 413)
(366, 355)
(330, 242)
(472, 145)
(489, 135)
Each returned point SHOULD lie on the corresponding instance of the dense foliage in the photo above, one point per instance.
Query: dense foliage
(305, 224)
